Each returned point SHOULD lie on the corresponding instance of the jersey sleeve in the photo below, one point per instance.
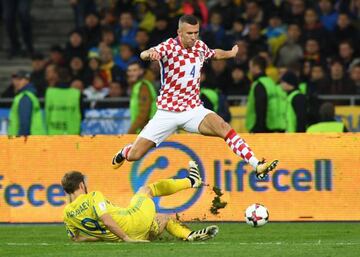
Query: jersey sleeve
(100, 204)
(163, 47)
(70, 229)
(208, 53)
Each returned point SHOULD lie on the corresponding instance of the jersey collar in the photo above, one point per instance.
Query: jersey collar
(178, 41)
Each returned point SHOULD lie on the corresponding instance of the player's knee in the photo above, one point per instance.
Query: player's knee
(164, 219)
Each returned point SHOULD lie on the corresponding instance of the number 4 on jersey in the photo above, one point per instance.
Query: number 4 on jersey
(193, 71)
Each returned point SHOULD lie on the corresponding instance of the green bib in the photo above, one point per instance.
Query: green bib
(291, 121)
(213, 97)
(134, 100)
(62, 110)
(281, 96)
(37, 122)
(273, 111)
(328, 126)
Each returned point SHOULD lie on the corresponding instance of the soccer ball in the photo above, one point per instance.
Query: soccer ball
(256, 215)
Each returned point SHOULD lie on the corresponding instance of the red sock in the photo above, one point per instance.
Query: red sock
(240, 148)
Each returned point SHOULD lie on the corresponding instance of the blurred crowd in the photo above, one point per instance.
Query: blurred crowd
(319, 39)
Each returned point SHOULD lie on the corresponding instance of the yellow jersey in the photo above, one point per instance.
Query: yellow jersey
(82, 216)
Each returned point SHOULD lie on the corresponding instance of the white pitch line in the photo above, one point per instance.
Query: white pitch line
(196, 243)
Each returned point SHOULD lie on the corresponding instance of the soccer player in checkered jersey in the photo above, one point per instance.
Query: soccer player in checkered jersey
(179, 105)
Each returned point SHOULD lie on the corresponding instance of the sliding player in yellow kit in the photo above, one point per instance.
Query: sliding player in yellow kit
(91, 217)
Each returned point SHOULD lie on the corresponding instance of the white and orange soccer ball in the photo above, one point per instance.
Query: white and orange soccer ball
(256, 215)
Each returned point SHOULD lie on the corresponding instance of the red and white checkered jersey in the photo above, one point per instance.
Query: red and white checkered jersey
(180, 74)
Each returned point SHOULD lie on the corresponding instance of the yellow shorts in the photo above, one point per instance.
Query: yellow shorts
(141, 217)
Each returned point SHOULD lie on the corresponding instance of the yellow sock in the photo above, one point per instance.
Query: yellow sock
(177, 229)
(169, 186)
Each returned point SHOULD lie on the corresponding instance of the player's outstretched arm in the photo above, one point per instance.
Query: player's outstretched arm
(150, 55)
(222, 54)
(114, 227)
(74, 234)
(80, 238)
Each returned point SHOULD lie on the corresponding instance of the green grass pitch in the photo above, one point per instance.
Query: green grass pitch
(234, 239)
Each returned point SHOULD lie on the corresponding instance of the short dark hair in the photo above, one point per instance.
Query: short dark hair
(142, 30)
(348, 42)
(259, 61)
(313, 39)
(252, 2)
(127, 12)
(107, 29)
(356, 65)
(128, 46)
(76, 31)
(190, 19)
(56, 48)
(138, 63)
(345, 13)
(331, 1)
(317, 64)
(71, 181)
(327, 111)
(37, 56)
(294, 24)
(337, 60)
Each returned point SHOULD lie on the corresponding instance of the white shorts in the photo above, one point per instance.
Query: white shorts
(164, 123)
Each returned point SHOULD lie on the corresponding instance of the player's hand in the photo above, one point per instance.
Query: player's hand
(153, 55)
(234, 50)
